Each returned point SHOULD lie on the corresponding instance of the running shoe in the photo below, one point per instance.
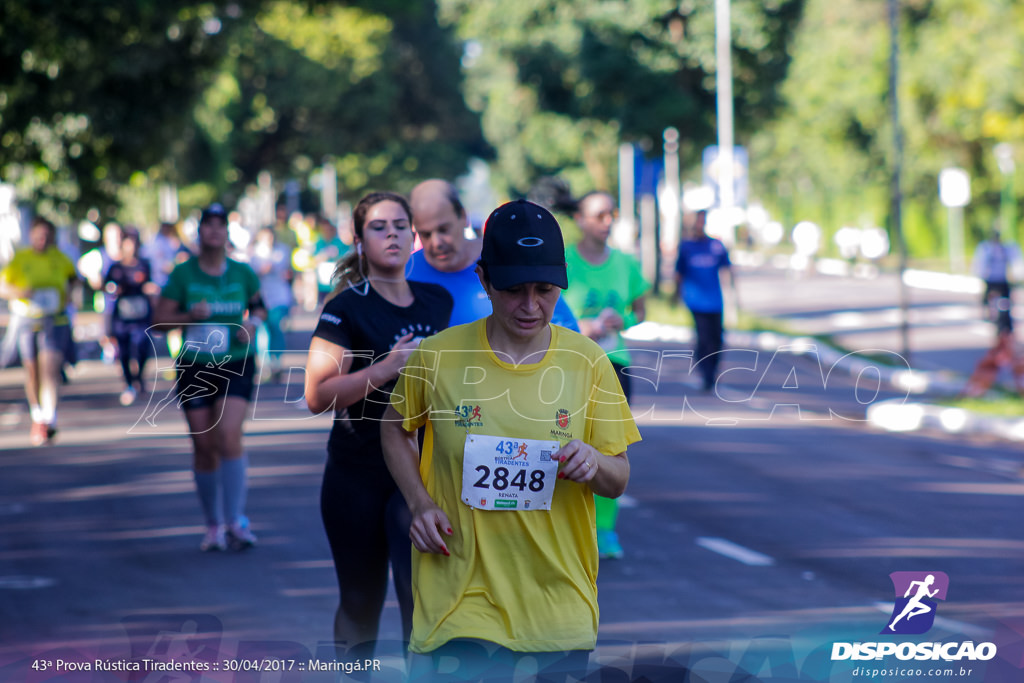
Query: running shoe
(128, 396)
(608, 547)
(240, 537)
(38, 434)
(215, 538)
(108, 352)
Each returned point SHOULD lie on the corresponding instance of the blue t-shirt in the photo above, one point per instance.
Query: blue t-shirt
(698, 264)
(471, 302)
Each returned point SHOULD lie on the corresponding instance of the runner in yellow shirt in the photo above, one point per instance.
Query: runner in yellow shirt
(37, 284)
(524, 422)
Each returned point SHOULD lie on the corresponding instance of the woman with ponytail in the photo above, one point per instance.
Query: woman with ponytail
(369, 326)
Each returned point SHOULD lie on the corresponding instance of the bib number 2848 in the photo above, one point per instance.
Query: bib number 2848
(508, 474)
(499, 479)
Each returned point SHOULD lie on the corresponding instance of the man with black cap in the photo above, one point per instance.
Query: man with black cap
(527, 422)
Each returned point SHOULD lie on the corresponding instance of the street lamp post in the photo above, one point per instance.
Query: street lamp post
(896, 190)
(1007, 208)
(723, 85)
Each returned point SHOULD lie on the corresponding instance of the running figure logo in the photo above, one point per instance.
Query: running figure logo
(916, 592)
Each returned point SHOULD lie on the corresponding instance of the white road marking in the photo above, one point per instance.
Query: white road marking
(735, 552)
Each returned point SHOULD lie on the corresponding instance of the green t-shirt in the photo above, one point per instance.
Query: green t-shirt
(228, 296)
(614, 284)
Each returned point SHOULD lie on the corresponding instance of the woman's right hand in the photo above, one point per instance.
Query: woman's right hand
(427, 526)
(400, 353)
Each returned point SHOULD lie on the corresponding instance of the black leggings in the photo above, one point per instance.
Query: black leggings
(134, 344)
(367, 524)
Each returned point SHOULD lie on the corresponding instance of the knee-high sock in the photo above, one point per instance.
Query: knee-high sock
(234, 477)
(48, 403)
(208, 487)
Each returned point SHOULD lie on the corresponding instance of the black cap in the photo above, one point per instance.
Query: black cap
(523, 243)
(214, 210)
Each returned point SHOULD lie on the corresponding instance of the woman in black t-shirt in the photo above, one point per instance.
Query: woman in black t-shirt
(365, 334)
(130, 284)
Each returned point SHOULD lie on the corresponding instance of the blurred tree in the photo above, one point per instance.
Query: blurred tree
(561, 83)
(97, 96)
(92, 92)
(379, 96)
(829, 151)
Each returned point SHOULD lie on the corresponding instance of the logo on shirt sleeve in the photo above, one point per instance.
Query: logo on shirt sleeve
(327, 317)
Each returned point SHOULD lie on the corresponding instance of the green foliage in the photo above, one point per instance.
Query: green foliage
(205, 94)
(101, 101)
(91, 92)
(561, 83)
(378, 96)
(960, 94)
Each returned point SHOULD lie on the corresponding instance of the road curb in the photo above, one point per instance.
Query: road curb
(899, 378)
(892, 415)
(899, 416)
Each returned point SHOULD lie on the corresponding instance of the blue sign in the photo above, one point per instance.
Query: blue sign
(647, 173)
(740, 173)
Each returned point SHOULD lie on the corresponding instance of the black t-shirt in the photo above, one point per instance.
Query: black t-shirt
(131, 305)
(368, 325)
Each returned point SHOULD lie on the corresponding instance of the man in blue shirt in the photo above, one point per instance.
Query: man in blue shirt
(701, 259)
(450, 251)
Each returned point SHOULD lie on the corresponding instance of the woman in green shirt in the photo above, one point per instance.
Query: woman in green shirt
(216, 301)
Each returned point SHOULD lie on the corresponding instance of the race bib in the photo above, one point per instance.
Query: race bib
(132, 307)
(44, 302)
(212, 339)
(500, 473)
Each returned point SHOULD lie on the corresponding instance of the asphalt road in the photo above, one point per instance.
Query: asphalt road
(761, 526)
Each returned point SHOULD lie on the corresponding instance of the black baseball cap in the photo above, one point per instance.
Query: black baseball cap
(523, 243)
(215, 210)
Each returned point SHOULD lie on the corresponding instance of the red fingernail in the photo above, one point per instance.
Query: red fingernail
(449, 530)
(562, 459)
(446, 553)
(561, 475)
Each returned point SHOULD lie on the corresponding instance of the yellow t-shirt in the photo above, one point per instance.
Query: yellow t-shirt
(524, 579)
(47, 274)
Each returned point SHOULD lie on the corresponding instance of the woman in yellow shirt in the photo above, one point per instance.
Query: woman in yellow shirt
(524, 422)
(37, 284)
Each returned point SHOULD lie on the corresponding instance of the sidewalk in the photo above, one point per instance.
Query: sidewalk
(926, 386)
(918, 415)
